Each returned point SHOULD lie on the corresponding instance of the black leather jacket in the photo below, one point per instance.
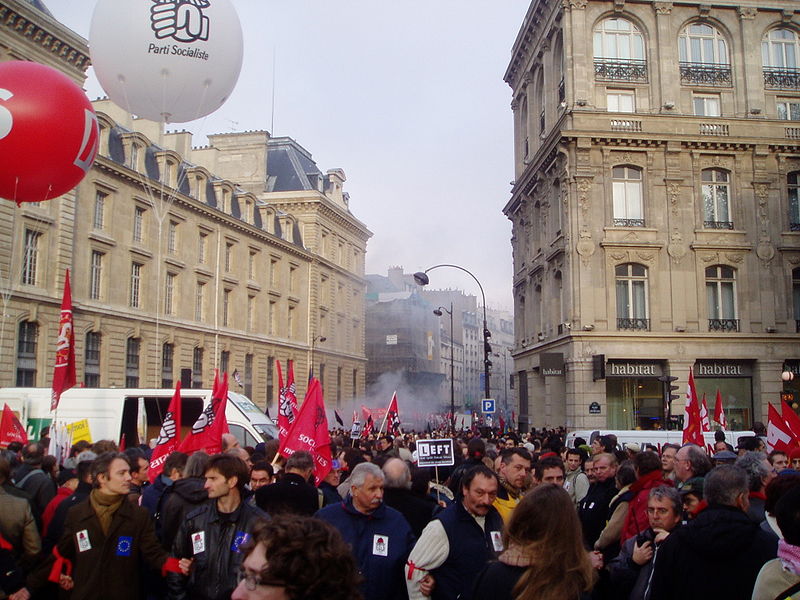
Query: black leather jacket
(218, 558)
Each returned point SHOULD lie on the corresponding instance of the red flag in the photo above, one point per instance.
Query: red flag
(779, 436)
(368, 424)
(64, 371)
(393, 417)
(11, 430)
(309, 432)
(502, 424)
(792, 421)
(692, 429)
(122, 444)
(704, 420)
(287, 401)
(169, 438)
(719, 412)
(207, 431)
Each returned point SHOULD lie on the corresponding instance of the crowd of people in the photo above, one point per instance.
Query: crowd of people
(517, 517)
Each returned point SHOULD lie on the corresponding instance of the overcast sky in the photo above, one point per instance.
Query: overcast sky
(408, 98)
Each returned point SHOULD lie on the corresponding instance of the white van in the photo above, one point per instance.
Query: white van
(137, 413)
(657, 437)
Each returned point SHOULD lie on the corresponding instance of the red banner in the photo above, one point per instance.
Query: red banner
(393, 418)
(169, 438)
(64, 371)
(779, 434)
(207, 431)
(719, 412)
(309, 432)
(11, 430)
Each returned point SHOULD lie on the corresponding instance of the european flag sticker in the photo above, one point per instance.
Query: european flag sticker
(124, 545)
(240, 538)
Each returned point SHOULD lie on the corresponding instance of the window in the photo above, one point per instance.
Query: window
(796, 297)
(793, 184)
(338, 386)
(621, 101)
(248, 375)
(172, 237)
(26, 354)
(716, 199)
(706, 105)
(721, 296)
(133, 163)
(780, 54)
(271, 318)
(273, 272)
(166, 176)
(251, 265)
(99, 209)
(202, 245)
(167, 362)
(136, 282)
(703, 56)
(228, 256)
(619, 51)
(290, 322)
(197, 368)
(270, 379)
(251, 308)
(788, 109)
(132, 349)
(138, 224)
(199, 301)
(96, 275)
(224, 361)
(627, 192)
(30, 259)
(169, 294)
(226, 303)
(91, 369)
(631, 282)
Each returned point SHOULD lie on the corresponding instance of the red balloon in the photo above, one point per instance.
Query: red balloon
(48, 132)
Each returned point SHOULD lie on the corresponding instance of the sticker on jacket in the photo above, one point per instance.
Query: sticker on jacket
(380, 545)
(124, 545)
(240, 538)
(198, 542)
(83, 540)
(497, 540)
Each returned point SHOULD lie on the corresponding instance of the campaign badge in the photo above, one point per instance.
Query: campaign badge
(124, 545)
(497, 541)
(240, 538)
(83, 540)
(198, 542)
(380, 545)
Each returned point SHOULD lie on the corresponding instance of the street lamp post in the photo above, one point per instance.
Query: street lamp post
(438, 313)
(421, 278)
(316, 338)
(505, 379)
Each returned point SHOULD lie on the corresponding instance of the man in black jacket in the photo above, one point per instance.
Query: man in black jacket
(31, 478)
(292, 493)
(81, 493)
(213, 534)
(593, 509)
(397, 494)
(720, 540)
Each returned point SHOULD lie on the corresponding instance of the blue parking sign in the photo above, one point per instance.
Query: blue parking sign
(487, 406)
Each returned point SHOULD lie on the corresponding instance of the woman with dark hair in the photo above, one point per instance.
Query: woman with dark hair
(544, 557)
(292, 557)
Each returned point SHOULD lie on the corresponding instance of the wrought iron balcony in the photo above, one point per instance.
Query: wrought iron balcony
(781, 79)
(797, 325)
(693, 73)
(723, 324)
(620, 70)
(562, 92)
(718, 224)
(633, 324)
(628, 222)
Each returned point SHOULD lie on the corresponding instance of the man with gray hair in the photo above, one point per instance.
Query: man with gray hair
(759, 474)
(397, 494)
(720, 539)
(379, 536)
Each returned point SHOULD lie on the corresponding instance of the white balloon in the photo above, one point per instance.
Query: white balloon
(167, 60)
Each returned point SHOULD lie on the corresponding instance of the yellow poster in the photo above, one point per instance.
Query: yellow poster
(79, 431)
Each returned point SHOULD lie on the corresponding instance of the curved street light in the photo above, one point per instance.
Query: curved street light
(421, 278)
(438, 313)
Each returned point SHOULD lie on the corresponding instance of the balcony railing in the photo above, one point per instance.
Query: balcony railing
(718, 224)
(781, 79)
(723, 324)
(793, 133)
(633, 324)
(620, 70)
(714, 129)
(628, 222)
(626, 125)
(705, 74)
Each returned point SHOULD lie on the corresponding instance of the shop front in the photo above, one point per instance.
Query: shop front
(791, 384)
(733, 380)
(634, 394)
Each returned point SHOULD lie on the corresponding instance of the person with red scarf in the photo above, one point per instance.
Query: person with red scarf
(649, 475)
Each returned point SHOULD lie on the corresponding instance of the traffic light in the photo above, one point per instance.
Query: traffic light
(669, 394)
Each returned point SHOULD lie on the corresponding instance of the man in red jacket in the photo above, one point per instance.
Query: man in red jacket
(650, 475)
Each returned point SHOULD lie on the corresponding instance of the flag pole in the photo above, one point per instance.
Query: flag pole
(386, 414)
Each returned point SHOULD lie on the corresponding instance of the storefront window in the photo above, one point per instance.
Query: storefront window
(635, 403)
(737, 399)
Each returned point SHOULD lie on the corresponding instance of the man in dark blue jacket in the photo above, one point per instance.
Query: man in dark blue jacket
(379, 536)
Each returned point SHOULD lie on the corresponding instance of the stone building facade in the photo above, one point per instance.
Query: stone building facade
(182, 259)
(655, 211)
